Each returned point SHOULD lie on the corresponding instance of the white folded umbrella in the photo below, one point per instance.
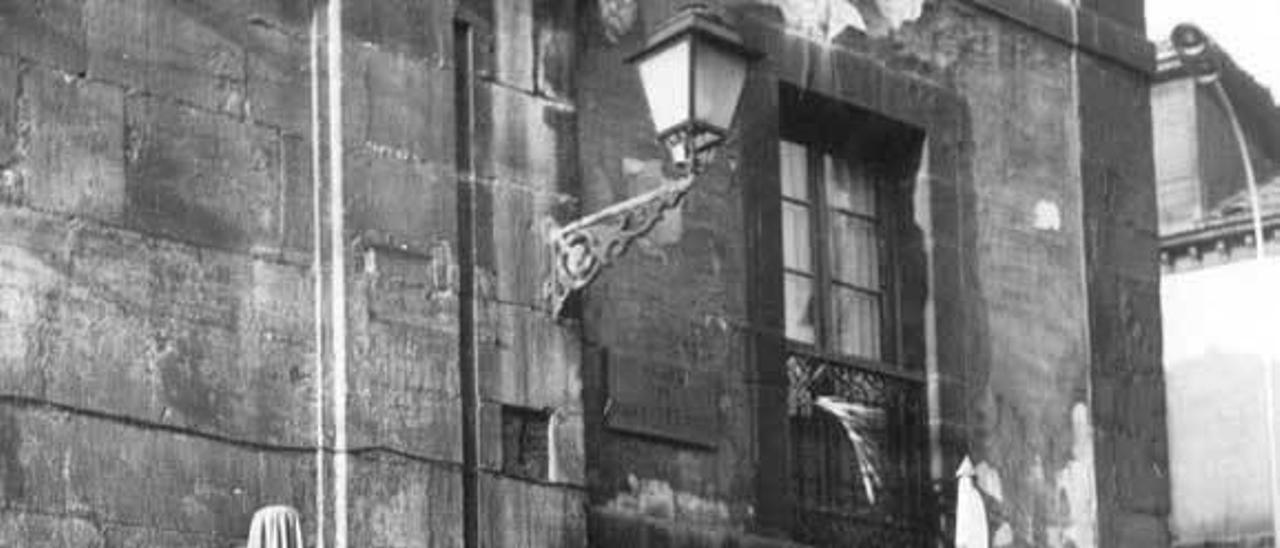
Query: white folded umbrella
(971, 512)
(276, 526)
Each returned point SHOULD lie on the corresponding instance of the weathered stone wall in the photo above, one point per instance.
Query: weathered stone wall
(403, 407)
(526, 178)
(675, 303)
(1025, 379)
(159, 354)
(1122, 262)
(1027, 208)
(157, 339)
(157, 231)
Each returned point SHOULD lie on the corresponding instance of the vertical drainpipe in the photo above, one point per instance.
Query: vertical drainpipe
(338, 271)
(469, 389)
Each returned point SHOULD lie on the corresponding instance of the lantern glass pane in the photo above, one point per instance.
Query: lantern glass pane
(665, 75)
(719, 77)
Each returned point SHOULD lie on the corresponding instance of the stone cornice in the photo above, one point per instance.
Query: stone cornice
(1226, 233)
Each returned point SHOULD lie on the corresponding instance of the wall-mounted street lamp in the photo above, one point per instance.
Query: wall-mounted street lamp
(693, 69)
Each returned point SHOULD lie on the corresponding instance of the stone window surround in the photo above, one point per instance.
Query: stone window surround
(940, 114)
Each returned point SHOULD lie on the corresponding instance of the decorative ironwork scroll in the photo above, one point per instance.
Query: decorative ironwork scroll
(582, 249)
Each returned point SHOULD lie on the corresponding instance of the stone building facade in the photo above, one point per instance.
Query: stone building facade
(281, 251)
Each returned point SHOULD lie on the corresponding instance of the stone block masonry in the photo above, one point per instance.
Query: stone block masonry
(157, 335)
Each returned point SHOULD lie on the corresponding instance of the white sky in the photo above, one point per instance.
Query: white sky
(1249, 30)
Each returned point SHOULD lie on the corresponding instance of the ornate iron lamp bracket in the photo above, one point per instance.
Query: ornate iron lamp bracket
(582, 249)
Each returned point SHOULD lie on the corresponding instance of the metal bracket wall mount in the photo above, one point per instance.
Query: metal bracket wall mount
(582, 249)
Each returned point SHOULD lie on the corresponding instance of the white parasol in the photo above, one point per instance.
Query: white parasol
(971, 512)
(276, 526)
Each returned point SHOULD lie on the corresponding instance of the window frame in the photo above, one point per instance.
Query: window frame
(887, 216)
(888, 152)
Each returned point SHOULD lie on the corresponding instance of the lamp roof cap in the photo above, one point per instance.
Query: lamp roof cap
(695, 19)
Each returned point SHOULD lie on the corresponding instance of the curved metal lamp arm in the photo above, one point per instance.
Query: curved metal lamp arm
(1250, 179)
(581, 249)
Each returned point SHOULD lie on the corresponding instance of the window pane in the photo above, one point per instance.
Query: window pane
(855, 251)
(796, 247)
(857, 322)
(793, 171)
(849, 188)
(801, 314)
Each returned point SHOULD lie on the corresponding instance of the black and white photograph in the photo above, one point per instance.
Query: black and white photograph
(639, 273)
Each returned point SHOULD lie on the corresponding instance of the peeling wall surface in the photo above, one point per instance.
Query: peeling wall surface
(168, 361)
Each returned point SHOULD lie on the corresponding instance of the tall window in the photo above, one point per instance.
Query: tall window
(838, 274)
(856, 403)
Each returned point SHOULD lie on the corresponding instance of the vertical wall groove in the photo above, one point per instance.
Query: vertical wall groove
(463, 105)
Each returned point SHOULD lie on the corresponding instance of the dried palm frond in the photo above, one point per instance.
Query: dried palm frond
(858, 419)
